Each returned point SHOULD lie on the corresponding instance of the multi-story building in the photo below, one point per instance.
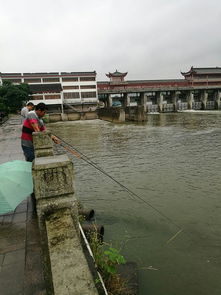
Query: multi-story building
(59, 90)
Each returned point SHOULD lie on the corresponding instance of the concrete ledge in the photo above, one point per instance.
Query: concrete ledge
(70, 271)
(65, 267)
(74, 116)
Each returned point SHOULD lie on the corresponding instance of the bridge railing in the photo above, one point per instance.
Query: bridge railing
(65, 267)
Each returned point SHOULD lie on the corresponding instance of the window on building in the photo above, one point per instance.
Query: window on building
(87, 78)
(88, 94)
(51, 80)
(32, 80)
(36, 97)
(69, 79)
(13, 80)
(52, 96)
(69, 95)
(87, 86)
(71, 87)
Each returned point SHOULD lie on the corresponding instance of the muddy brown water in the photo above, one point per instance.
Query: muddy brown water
(173, 163)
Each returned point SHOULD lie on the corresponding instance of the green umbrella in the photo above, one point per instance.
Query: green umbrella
(15, 184)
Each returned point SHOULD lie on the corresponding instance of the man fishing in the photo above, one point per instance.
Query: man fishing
(25, 110)
(33, 123)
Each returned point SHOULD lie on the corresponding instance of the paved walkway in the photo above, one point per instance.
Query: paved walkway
(20, 256)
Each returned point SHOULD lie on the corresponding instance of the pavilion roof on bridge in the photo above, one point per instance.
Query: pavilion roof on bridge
(202, 71)
(116, 74)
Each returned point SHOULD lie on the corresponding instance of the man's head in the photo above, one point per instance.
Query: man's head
(40, 109)
(30, 106)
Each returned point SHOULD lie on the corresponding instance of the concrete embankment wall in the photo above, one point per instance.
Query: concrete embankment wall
(56, 117)
(65, 267)
(120, 115)
(136, 113)
(112, 114)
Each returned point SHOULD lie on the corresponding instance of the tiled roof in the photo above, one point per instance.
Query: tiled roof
(116, 74)
(40, 74)
(207, 70)
(145, 81)
(79, 73)
(10, 74)
(202, 71)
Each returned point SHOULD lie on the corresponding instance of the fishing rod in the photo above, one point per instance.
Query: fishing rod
(77, 153)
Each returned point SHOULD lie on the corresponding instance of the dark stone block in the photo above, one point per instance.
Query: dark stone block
(20, 226)
(2, 256)
(11, 279)
(32, 207)
(7, 220)
(6, 246)
(20, 217)
(33, 235)
(12, 238)
(14, 257)
(34, 279)
(1, 219)
(21, 207)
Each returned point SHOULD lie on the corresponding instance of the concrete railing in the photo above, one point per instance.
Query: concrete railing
(65, 267)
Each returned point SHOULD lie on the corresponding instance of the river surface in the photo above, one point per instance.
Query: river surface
(172, 227)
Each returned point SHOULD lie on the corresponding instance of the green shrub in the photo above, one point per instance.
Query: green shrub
(107, 259)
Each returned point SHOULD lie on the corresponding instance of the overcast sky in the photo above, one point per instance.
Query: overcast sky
(149, 39)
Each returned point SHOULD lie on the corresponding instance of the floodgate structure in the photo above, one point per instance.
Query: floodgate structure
(200, 89)
(78, 95)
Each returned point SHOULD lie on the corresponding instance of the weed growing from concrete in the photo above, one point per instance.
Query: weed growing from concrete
(107, 259)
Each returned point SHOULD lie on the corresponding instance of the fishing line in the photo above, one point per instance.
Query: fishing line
(71, 149)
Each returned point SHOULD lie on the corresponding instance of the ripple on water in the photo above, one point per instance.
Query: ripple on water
(172, 162)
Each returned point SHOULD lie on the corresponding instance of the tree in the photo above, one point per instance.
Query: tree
(12, 96)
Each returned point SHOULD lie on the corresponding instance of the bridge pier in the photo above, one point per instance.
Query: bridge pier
(126, 100)
(175, 97)
(136, 113)
(109, 101)
(112, 114)
(217, 100)
(141, 113)
(160, 101)
(204, 98)
(190, 100)
(143, 101)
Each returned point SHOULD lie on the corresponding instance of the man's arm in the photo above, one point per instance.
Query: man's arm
(35, 127)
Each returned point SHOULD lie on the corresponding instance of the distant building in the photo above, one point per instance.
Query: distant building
(116, 77)
(199, 77)
(200, 89)
(58, 89)
(203, 75)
